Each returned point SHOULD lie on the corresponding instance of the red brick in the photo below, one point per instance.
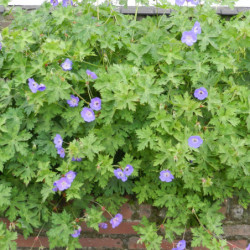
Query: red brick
(85, 228)
(132, 244)
(100, 243)
(126, 211)
(223, 210)
(237, 244)
(145, 210)
(123, 228)
(42, 241)
(232, 230)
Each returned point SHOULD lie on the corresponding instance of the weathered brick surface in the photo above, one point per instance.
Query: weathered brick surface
(233, 230)
(101, 243)
(126, 211)
(236, 229)
(32, 241)
(145, 210)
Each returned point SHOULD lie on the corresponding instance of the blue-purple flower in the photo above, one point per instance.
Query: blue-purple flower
(165, 175)
(195, 141)
(71, 175)
(201, 93)
(116, 221)
(77, 232)
(61, 152)
(54, 2)
(189, 38)
(181, 245)
(195, 2)
(103, 225)
(67, 2)
(87, 114)
(91, 74)
(96, 103)
(33, 85)
(62, 184)
(179, 2)
(119, 174)
(76, 159)
(248, 247)
(41, 87)
(128, 170)
(197, 28)
(0, 46)
(58, 141)
(74, 101)
(55, 189)
(67, 65)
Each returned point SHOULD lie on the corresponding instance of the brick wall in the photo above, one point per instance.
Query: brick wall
(236, 228)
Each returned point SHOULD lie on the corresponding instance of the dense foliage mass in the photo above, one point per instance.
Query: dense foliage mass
(96, 105)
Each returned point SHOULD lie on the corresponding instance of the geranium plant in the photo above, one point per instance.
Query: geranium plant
(96, 105)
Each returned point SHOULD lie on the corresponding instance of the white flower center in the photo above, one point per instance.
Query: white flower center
(66, 65)
(189, 39)
(167, 174)
(74, 101)
(89, 113)
(64, 184)
(201, 92)
(96, 103)
(194, 140)
(120, 174)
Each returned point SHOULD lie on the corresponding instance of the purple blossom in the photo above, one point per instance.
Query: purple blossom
(181, 245)
(194, 141)
(88, 115)
(41, 87)
(119, 174)
(189, 38)
(33, 85)
(128, 170)
(0, 46)
(248, 247)
(58, 141)
(165, 175)
(91, 74)
(55, 189)
(61, 152)
(67, 65)
(201, 93)
(54, 2)
(63, 184)
(196, 28)
(179, 2)
(74, 101)
(195, 2)
(77, 232)
(76, 159)
(116, 221)
(70, 176)
(67, 2)
(96, 103)
(103, 225)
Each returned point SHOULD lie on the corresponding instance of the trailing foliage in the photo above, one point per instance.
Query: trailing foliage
(146, 78)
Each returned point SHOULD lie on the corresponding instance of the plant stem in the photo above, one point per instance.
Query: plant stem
(102, 207)
(79, 95)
